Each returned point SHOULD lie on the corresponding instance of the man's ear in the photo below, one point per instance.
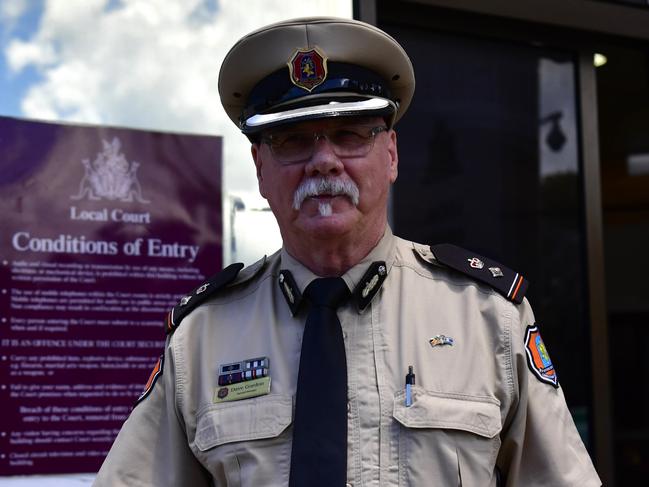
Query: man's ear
(394, 156)
(256, 157)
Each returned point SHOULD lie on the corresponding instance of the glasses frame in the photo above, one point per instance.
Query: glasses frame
(323, 134)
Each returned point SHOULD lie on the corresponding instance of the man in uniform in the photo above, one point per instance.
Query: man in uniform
(350, 356)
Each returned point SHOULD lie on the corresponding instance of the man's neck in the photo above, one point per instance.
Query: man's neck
(335, 256)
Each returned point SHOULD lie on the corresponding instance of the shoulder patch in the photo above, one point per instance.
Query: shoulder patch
(538, 359)
(510, 284)
(200, 295)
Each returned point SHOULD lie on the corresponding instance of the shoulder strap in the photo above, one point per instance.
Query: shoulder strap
(510, 284)
(200, 295)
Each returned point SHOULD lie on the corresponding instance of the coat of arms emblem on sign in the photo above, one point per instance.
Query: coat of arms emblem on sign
(110, 176)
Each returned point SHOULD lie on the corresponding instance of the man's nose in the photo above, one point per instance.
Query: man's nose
(324, 160)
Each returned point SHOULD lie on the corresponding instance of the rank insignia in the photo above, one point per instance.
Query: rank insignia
(476, 263)
(496, 272)
(440, 340)
(246, 370)
(307, 68)
(538, 359)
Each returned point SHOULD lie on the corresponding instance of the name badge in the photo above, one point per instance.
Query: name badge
(242, 390)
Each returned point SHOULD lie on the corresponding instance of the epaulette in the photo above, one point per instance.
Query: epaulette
(200, 295)
(510, 284)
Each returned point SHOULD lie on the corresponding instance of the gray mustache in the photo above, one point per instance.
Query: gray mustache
(325, 186)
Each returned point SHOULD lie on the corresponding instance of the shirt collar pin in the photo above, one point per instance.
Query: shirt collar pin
(370, 285)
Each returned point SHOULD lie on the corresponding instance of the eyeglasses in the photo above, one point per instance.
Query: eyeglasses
(346, 141)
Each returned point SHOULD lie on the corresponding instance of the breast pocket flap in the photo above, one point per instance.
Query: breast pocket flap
(477, 414)
(251, 419)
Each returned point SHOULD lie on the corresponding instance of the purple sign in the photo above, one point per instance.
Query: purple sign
(101, 231)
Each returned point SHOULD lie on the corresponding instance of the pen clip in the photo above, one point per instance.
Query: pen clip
(410, 378)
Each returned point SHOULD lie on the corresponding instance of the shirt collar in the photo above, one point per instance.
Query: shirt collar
(384, 251)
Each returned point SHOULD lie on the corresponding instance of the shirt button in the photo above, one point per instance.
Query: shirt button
(349, 484)
(349, 407)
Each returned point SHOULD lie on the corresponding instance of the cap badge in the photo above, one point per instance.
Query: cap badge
(307, 68)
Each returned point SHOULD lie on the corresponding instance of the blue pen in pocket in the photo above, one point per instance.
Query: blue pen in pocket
(410, 381)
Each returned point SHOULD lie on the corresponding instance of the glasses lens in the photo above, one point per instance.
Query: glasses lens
(346, 141)
(351, 141)
(292, 147)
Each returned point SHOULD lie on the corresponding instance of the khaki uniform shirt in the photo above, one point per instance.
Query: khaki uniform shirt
(479, 416)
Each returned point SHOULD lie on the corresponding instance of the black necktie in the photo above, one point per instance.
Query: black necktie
(319, 453)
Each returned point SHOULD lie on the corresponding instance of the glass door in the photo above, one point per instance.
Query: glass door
(489, 160)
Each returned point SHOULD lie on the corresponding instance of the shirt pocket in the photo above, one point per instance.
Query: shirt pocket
(447, 439)
(245, 443)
